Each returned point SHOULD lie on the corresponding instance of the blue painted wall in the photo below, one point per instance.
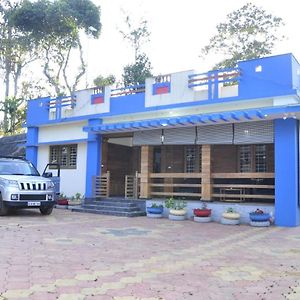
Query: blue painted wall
(32, 144)
(275, 79)
(127, 104)
(93, 158)
(37, 111)
(287, 212)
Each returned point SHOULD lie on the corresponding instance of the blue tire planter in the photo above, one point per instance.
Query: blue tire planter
(259, 217)
(155, 210)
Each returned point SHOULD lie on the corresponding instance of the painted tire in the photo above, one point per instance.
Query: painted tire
(231, 216)
(202, 212)
(156, 216)
(155, 210)
(202, 219)
(178, 212)
(259, 217)
(260, 224)
(176, 218)
(225, 221)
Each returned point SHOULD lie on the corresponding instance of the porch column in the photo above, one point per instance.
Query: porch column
(146, 169)
(206, 182)
(93, 158)
(32, 144)
(287, 212)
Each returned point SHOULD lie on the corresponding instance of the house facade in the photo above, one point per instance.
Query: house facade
(226, 136)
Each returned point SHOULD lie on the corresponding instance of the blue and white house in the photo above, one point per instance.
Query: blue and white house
(230, 137)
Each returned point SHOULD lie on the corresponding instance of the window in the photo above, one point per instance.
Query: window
(65, 155)
(253, 158)
(192, 159)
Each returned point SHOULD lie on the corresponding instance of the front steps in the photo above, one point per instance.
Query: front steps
(113, 207)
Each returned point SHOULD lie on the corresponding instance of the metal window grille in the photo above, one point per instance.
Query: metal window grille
(245, 158)
(65, 155)
(261, 158)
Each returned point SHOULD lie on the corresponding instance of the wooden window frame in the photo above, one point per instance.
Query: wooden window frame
(59, 148)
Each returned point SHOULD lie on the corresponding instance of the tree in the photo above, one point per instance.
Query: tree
(16, 52)
(137, 72)
(55, 28)
(249, 32)
(103, 81)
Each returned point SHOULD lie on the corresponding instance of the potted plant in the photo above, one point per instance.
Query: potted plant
(230, 217)
(155, 210)
(62, 199)
(76, 200)
(259, 218)
(176, 208)
(203, 214)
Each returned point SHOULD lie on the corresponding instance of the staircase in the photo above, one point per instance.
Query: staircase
(113, 207)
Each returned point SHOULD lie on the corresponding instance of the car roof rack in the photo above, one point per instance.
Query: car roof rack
(12, 157)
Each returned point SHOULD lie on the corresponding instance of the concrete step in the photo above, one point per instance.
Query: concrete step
(111, 203)
(134, 213)
(111, 207)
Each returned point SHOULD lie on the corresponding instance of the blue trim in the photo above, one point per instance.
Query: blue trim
(31, 145)
(63, 142)
(93, 158)
(214, 118)
(158, 85)
(94, 96)
(287, 211)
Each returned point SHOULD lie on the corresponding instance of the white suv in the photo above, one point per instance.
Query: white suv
(21, 186)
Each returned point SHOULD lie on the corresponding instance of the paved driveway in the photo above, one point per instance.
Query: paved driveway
(84, 256)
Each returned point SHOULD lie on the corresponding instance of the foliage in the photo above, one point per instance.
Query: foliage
(136, 73)
(230, 210)
(249, 32)
(15, 115)
(175, 204)
(155, 205)
(54, 27)
(258, 211)
(204, 205)
(104, 81)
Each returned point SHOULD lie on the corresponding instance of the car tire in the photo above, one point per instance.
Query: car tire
(3, 207)
(47, 210)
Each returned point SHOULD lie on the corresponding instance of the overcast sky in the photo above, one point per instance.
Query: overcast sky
(179, 29)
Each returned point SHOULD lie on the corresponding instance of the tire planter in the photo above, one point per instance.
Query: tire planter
(177, 212)
(231, 216)
(226, 221)
(202, 212)
(62, 202)
(259, 217)
(202, 219)
(155, 210)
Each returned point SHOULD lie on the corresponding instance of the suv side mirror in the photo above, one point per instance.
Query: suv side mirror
(47, 174)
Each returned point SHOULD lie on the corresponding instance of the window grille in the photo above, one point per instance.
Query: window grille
(261, 158)
(245, 158)
(65, 155)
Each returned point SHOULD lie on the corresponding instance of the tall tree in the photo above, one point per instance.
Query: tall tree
(55, 27)
(249, 32)
(16, 52)
(137, 36)
(103, 81)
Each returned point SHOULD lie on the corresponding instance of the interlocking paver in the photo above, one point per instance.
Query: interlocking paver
(82, 256)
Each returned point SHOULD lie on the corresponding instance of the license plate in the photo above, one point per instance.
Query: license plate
(35, 203)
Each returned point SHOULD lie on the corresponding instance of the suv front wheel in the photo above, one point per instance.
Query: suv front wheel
(3, 207)
(47, 210)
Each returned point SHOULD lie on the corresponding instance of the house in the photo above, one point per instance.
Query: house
(227, 136)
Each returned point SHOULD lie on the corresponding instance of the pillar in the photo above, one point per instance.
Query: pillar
(287, 212)
(32, 145)
(206, 182)
(146, 169)
(93, 158)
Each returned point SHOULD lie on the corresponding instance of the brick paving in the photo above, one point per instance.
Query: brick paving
(74, 256)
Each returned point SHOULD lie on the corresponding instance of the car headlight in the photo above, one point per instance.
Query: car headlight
(50, 185)
(12, 183)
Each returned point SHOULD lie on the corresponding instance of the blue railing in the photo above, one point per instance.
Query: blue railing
(59, 102)
(128, 90)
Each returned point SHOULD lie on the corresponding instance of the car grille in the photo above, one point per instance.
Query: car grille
(29, 197)
(36, 186)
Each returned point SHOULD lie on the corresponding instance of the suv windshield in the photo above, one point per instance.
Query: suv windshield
(14, 167)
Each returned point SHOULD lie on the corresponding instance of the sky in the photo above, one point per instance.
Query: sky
(179, 29)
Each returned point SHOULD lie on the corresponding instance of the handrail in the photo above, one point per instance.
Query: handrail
(129, 90)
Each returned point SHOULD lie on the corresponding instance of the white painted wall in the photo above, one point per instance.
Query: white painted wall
(72, 180)
(180, 92)
(62, 132)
